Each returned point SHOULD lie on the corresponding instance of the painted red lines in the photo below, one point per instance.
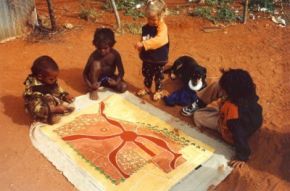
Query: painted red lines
(126, 136)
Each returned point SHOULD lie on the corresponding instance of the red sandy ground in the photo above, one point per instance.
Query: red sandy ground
(260, 47)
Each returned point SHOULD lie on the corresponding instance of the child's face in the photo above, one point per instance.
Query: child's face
(103, 49)
(49, 77)
(153, 20)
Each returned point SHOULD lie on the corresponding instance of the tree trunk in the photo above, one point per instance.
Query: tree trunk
(51, 15)
(245, 14)
(113, 3)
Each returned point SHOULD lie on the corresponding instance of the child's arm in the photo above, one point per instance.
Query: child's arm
(63, 95)
(159, 40)
(119, 64)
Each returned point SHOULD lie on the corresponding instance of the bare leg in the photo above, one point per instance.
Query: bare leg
(93, 78)
(207, 117)
(121, 87)
(211, 93)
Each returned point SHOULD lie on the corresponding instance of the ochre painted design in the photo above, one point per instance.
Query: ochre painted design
(119, 148)
(119, 144)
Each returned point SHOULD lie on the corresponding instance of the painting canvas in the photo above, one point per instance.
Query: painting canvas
(122, 146)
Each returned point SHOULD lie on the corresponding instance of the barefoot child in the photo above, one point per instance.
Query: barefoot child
(153, 48)
(239, 115)
(44, 98)
(102, 63)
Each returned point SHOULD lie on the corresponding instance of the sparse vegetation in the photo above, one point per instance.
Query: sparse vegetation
(225, 14)
(204, 12)
(216, 11)
(129, 7)
(88, 14)
(257, 4)
(133, 28)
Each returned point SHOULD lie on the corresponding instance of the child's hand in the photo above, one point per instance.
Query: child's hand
(237, 163)
(69, 98)
(139, 46)
(60, 109)
(112, 82)
(96, 85)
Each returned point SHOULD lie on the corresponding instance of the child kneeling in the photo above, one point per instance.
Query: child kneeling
(44, 99)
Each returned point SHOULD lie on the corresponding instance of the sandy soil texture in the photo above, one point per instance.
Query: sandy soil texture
(260, 47)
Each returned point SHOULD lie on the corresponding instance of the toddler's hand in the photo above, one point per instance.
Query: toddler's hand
(139, 46)
(69, 98)
(60, 109)
(237, 163)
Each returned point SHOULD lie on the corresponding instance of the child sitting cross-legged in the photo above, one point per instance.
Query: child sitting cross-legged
(44, 99)
(238, 116)
(103, 63)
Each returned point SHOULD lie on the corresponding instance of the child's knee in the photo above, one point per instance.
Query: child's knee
(39, 112)
(121, 87)
(198, 119)
(96, 66)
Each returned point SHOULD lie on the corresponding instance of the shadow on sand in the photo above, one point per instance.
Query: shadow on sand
(14, 109)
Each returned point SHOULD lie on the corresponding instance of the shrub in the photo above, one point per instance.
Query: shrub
(128, 6)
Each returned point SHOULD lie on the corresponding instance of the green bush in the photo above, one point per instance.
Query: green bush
(216, 11)
(269, 4)
(225, 14)
(128, 6)
(204, 12)
(211, 2)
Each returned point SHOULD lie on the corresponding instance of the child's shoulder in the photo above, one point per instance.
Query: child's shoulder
(115, 52)
(31, 80)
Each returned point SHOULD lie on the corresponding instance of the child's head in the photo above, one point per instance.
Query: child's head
(237, 84)
(104, 40)
(45, 69)
(154, 11)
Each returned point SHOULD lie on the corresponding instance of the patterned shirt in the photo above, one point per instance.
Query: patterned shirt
(36, 89)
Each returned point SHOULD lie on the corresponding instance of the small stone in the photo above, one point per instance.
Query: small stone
(68, 26)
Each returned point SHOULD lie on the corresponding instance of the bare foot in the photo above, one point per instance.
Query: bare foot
(94, 95)
(159, 95)
(143, 92)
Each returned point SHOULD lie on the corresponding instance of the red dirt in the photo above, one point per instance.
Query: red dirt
(260, 47)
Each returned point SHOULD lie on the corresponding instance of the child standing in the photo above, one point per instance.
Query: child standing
(239, 115)
(102, 64)
(44, 98)
(154, 48)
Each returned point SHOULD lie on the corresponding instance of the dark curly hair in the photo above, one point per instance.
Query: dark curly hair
(42, 64)
(238, 85)
(104, 36)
